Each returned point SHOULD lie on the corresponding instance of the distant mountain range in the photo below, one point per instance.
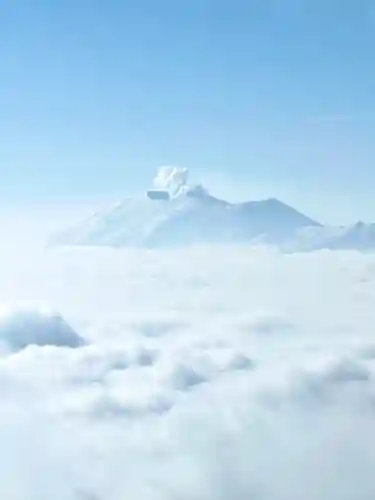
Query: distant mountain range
(191, 216)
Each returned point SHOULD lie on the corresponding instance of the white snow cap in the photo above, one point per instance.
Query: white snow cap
(171, 178)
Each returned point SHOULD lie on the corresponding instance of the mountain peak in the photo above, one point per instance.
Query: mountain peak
(176, 212)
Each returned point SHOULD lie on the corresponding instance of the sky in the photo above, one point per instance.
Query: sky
(258, 98)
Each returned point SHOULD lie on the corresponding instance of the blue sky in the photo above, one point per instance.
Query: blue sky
(259, 98)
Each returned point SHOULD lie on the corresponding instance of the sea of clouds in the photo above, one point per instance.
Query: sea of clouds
(205, 373)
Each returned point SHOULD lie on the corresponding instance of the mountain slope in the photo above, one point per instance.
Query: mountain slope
(185, 219)
(271, 218)
(177, 213)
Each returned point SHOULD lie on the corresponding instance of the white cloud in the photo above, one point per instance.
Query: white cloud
(208, 373)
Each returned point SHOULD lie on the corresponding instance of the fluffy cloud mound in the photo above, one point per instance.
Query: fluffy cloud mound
(171, 178)
(21, 327)
(209, 373)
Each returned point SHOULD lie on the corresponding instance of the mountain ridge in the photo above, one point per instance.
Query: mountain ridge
(143, 222)
(177, 213)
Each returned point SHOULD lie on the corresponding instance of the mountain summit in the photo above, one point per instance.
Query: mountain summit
(175, 212)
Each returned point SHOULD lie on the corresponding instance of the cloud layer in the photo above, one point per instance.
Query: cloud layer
(207, 373)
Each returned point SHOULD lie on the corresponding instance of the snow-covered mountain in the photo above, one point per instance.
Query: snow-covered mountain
(190, 215)
(176, 213)
(359, 236)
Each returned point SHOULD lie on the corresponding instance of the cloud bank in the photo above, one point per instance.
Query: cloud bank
(206, 373)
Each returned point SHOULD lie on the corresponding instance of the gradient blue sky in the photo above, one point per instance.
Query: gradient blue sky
(256, 97)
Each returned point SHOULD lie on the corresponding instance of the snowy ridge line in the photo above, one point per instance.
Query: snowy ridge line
(188, 214)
